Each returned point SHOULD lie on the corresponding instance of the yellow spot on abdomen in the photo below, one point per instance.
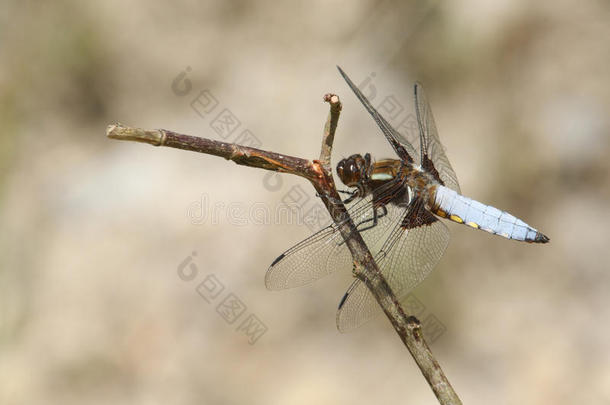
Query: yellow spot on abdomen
(456, 219)
(472, 225)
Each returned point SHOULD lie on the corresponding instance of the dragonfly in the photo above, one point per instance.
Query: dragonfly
(397, 206)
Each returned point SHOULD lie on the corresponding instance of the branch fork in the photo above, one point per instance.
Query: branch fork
(319, 174)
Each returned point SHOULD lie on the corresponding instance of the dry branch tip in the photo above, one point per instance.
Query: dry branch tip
(154, 137)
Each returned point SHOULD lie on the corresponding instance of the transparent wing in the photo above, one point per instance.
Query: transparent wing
(401, 145)
(325, 251)
(432, 156)
(313, 258)
(405, 259)
(431, 147)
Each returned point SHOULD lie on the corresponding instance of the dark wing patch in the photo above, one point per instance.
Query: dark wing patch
(428, 166)
(417, 215)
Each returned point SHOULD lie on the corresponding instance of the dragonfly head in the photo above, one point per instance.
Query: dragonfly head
(354, 170)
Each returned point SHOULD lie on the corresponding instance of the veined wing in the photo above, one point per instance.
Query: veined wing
(313, 258)
(432, 154)
(433, 157)
(325, 251)
(401, 146)
(409, 254)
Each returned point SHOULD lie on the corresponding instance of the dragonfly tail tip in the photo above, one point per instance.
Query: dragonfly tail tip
(541, 238)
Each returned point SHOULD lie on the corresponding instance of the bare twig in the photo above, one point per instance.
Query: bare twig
(319, 173)
(329, 129)
(242, 155)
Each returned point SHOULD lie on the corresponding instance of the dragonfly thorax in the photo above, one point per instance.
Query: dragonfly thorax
(370, 177)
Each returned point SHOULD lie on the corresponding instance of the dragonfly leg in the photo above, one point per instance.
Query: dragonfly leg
(376, 216)
(374, 220)
(352, 195)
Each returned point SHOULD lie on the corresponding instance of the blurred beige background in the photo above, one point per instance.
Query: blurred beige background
(92, 310)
